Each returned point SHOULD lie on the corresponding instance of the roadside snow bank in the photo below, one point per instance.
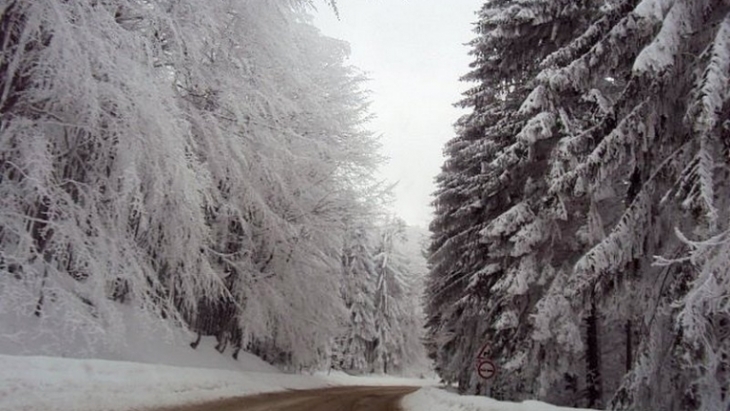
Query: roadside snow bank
(137, 337)
(342, 378)
(435, 399)
(59, 384)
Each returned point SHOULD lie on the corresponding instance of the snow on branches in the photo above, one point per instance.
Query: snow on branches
(196, 161)
(608, 136)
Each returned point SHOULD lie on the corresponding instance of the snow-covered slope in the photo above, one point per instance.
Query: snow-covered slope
(146, 363)
(61, 384)
(434, 399)
(134, 337)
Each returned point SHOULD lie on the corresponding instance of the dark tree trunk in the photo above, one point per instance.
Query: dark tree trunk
(41, 296)
(629, 358)
(593, 376)
(195, 343)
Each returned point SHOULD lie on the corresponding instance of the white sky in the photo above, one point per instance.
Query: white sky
(414, 53)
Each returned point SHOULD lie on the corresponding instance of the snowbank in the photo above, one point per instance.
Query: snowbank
(342, 378)
(141, 363)
(434, 399)
(59, 384)
(135, 337)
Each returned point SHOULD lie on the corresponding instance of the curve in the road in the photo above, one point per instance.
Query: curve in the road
(325, 399)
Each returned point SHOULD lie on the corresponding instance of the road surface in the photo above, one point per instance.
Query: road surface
(325, 399)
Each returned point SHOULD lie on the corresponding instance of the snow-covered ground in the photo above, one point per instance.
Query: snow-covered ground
(147, 364)
(434, 399)
(341, 378)
(61, 384)
(134, 337)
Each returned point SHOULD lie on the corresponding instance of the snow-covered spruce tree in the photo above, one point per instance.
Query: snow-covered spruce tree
(412, 252)
(356, 348)
(396, 312)
(653, 161)
(182, 157)
(703, 321)
(381, 288)
(494, 234)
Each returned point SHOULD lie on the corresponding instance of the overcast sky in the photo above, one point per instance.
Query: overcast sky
(414, 53)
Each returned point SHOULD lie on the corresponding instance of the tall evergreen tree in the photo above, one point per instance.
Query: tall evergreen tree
(627, 118)
(356, 351)
(491, 248)
(381, 289)
(656, 150)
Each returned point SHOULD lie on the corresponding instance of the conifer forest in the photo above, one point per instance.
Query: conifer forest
(581, 224)
(209, 165)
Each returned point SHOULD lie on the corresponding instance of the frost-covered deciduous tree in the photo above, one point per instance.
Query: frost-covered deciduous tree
(197, 161)
(100, 200)
(299, 158)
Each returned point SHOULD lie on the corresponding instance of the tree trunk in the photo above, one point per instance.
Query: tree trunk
(593, 376)
(629, 359)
